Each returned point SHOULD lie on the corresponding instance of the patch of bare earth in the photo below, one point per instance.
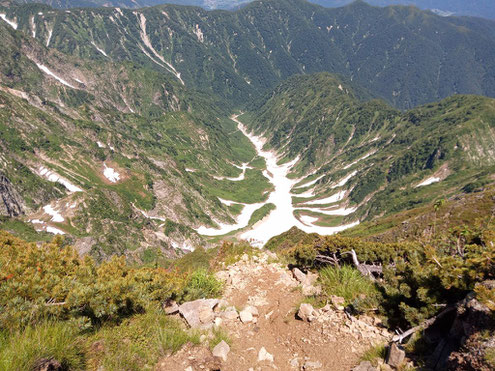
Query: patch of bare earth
(331, 341)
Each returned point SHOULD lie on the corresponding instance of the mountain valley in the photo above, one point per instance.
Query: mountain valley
(151, 153)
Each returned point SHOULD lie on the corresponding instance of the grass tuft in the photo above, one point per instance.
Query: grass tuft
(346, 282)
(49, 340)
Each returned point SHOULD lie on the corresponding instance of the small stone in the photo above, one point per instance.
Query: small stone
(252, 310)
(246, 316)
(294, 362)
(310, 365)
(306, 312)
(337, 302)
(395, 355)
(221, 350)
(189, 369)
(230, 314)
(326, 308)
(263, 355)
(218, 322)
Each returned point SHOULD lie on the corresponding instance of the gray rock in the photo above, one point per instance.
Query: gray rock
(221, 350)
(395, 355)
(306, 312)
(11, 203)
(199, 313)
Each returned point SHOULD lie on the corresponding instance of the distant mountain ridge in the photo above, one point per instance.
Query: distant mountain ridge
(477, 8)
(406, 56)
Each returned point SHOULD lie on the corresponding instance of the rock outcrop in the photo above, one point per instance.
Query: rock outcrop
(11, 204)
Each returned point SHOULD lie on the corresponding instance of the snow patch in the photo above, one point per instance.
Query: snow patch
(54, 230)
(343, 181)
(311, 183)
(56, 216)
(339, 196)
(50, 33)
(111, 174)
(147, 42)
(12, 24)
(428, 181)
(227, 202)
(100, 144)
(100, 50)
(53, 177)
(189, 170)
(48, 72)
(360, 159)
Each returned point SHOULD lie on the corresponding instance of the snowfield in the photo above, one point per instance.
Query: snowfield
(428, 181)
(282, 217)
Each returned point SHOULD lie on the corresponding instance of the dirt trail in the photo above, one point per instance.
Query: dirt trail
(330, 342)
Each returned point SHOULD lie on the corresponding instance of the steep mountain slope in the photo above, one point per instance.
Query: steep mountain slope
(404, 55)
(362, 159)
(117, 156)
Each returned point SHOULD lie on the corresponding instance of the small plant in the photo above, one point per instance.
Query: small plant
(202, 284)
(374, 354)
(218, 336)
(138, 342)
(346, 282)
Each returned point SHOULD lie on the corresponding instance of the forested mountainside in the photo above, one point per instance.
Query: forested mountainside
(406, 56)
(120, 157)
(368, 159)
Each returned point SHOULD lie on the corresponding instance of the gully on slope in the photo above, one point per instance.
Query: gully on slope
(282, 217)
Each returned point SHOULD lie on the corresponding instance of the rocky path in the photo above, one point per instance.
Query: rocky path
(259, 312)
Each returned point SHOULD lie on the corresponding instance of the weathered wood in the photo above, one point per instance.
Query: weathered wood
(424, 325)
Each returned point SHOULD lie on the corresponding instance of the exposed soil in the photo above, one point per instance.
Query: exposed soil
(332, 341)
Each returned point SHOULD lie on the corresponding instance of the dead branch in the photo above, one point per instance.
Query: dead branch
(424, 325)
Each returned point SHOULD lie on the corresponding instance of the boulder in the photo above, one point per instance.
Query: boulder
(338, 302)
(221, 350)
(306, 312)
(395, 356)
(263, 355)
(199, 313)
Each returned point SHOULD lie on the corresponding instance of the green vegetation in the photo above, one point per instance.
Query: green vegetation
(57, 306)
(302, 38)
(375, 354)
(346, 282)
(412, 287)
(49, 340)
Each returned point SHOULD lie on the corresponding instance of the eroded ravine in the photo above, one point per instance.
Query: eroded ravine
(281, 218)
